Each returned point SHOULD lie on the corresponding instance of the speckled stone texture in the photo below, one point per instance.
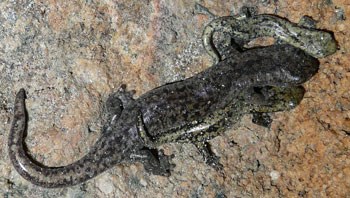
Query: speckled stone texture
(69, 55)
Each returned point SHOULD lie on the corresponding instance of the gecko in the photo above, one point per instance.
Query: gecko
(248, 25)
(194, 110)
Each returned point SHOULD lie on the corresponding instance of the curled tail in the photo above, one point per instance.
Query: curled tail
(221, 24)
(96, 161)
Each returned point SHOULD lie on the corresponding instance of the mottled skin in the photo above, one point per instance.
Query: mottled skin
(193, 110)
(248, 26)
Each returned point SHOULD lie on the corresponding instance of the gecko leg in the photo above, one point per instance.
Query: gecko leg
(209, 156)
(154, 161)
(272, 99)
(115, 104)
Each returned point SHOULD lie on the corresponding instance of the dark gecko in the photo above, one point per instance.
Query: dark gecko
(240, 29)
(194, 110)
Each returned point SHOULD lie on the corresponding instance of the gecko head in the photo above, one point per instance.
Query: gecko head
(298, 67)
(323, 46)
(286, 65)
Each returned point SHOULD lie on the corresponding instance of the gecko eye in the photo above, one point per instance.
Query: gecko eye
(292, 104)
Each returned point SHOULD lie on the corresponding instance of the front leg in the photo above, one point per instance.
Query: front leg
(263, 100)
(272, 99)
(262, 119)
(201, 137)
(208, 155)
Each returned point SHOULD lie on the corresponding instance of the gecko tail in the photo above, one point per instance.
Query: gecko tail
(49, 177)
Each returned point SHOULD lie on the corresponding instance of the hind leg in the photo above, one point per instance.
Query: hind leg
(115, 104)
(154, 161)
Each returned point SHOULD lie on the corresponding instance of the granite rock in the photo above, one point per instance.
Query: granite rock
(69, 55)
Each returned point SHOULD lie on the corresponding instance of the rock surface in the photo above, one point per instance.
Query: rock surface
(69, 55)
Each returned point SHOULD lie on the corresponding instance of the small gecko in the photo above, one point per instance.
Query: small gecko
(193, 110)
(248, 26)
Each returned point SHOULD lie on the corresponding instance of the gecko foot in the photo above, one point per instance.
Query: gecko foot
(156, 162)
